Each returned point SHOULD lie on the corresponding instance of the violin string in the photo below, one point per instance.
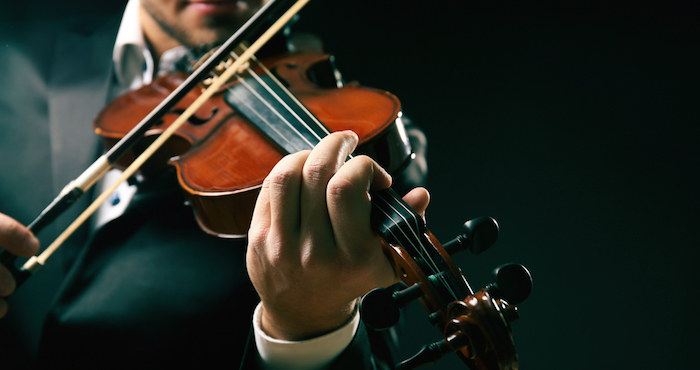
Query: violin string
(291, 96)
(423, 251)
(268, 123)
(421, 248)
(441, 277)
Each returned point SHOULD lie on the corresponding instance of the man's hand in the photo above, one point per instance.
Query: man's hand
(18, 240)
(311, 250)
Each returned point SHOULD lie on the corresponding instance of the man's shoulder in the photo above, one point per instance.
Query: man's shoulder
(30, 40)
(22, 24)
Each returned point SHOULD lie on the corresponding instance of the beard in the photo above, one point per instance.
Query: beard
(215, 31)
(194, 29)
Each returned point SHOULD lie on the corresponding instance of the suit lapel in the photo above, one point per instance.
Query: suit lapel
(78, 86)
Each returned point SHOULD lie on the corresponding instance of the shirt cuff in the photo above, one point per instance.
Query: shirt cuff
(312, 354)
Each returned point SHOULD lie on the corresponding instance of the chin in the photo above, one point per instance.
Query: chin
(219, 28)
(210, 37)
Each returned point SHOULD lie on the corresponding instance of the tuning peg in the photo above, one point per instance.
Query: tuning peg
(427, 355)
(380, 309)
(512, 282)
(432, 352)
(479, 235)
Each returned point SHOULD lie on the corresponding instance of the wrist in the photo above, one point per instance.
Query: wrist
(307, 324)
(312, 354)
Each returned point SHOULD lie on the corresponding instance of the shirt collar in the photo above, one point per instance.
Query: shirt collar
(131, 57)
(133, 61)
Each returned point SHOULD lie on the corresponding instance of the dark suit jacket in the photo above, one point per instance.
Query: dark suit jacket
(149, 288)
(56, 69)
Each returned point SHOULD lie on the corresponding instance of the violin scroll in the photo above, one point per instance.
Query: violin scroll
(476, 326)
(482, 321)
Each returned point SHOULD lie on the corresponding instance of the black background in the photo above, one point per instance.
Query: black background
(575, 125)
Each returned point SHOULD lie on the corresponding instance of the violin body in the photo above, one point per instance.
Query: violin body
(222, 159)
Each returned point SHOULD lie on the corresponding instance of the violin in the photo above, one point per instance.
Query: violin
(223, 140)
(225, 151)
(222, 172)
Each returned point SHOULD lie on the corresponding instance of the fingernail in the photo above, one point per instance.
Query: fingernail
(31, 245)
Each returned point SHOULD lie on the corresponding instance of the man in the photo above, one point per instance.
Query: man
(139, 291)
